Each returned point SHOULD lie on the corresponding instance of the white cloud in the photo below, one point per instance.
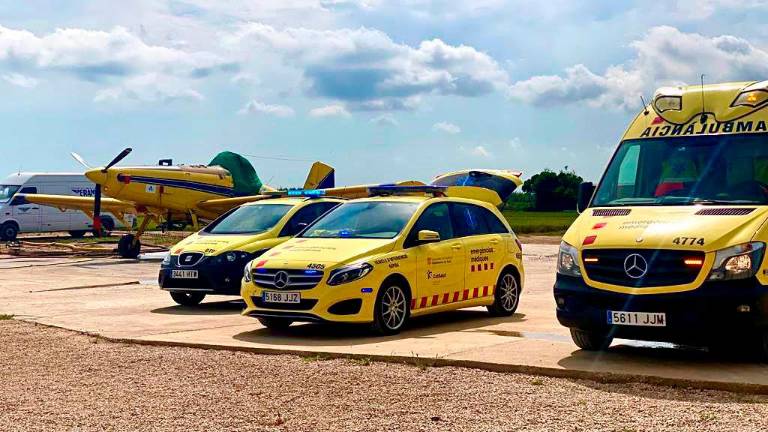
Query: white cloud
(19, 80)
(256, 107)
(515, 143)
(446, 127)
(150, 88)
(665, 56)
(477, 151)
(364, 66)
(329, 111)
(385, 120)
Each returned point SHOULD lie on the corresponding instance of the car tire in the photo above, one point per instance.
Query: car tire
(129, 246)
(392, 309)
(187, 298)
(275, 323)
(77, 234)
(591, 340)
(9, 231)
(762, 347)
(506, 295)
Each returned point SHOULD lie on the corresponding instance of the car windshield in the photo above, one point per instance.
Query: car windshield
(369, 219)
(7, 191)
(714, 170)
(249, 219)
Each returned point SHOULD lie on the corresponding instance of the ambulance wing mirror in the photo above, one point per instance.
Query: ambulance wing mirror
(427, 236)
(586, 190)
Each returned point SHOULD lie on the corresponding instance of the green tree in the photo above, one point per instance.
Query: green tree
(554, 191)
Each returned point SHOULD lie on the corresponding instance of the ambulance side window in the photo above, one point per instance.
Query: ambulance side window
(305, 216)
(494, 224)
(435, 218)
(469, 220)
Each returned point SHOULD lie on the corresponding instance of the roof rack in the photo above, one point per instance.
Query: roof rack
(386, 190)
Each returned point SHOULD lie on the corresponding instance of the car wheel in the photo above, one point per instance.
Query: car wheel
(129, 246)
(392, 309)
(77, 234)
(8, 231)
(762, 347)
(187, 298)
(275, 323)
(506, 296)
(591, 340)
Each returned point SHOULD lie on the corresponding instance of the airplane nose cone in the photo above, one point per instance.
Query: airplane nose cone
(96, 176)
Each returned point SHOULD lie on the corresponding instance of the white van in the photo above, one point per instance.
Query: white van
(17, 216)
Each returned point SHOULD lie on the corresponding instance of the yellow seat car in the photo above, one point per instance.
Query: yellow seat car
(211, 261)
(384, 259)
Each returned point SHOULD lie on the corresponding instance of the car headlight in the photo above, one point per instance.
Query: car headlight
(349, 273)
(568, 260)
(737, 262)
(166, 260)
(247, 271)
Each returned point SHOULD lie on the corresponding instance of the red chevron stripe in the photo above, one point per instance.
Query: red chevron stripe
(423, 302)
(445, 298)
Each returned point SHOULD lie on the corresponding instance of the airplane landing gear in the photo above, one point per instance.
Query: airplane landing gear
(129, 246)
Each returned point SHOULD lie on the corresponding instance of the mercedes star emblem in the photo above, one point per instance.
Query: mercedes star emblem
(281, 279)
(635, 266)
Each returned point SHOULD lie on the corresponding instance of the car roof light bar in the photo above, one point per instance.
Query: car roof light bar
(406, 190)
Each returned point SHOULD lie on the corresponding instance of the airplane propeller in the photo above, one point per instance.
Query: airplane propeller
(97, 195)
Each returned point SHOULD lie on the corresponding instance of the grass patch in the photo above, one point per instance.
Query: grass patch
(316, 358)
(5, 317)
(362, 361)
(533, 222)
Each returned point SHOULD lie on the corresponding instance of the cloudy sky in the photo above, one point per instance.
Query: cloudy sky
(382, 89)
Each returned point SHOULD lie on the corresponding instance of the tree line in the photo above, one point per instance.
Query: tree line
(548, 191)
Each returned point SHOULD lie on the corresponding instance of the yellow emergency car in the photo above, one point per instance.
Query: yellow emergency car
(211, 261)
(670, 245)
(384, 259)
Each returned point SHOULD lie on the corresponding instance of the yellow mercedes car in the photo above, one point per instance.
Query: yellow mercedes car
(211, 261)
(384, 259)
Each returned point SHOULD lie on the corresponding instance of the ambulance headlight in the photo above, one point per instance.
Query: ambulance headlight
(737, 262)
(568, 260)
(668, 103)
(751, 98)
(349, 273)
(247, 272)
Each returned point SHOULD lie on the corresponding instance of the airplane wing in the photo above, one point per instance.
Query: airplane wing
(85, 204)
(361, 191)
(221, 205)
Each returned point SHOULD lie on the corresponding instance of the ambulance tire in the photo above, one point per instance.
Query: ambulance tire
(506, 296)
(129, 246)
(187, 298)
(9, 231)
(275, 323)
(762, 351)
(392, 308)
(590, 340)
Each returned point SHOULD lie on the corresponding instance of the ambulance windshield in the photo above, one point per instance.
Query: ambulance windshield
(6, 192)
(368, 219)
(713, 170)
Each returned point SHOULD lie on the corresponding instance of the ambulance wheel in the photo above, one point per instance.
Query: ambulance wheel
(590, 340)
(393, 306)
(506, 296)
(275, 323)
(129, 246)
(77, 234)
(9, 231)
(187, 298)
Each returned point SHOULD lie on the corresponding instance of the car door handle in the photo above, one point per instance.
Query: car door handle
(456, 246)
(495, 241)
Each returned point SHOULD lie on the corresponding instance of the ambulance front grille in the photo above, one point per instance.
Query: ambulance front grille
(296, 279)
(663, 267)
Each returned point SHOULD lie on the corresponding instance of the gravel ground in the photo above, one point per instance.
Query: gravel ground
(58, 380)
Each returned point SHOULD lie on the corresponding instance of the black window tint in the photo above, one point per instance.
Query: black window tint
(469, 220)
(494, 224)
(435, 218)
(28, 190)
(304, 217)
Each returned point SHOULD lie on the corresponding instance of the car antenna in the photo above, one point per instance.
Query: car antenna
(703, 112)
(645, 106)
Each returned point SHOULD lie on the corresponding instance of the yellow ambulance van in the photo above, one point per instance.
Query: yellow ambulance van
(670, 245)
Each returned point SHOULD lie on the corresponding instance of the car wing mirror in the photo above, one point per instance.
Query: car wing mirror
(428, 236)
(586, 190)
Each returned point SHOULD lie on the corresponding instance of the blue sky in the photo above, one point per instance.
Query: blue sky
(382, 89)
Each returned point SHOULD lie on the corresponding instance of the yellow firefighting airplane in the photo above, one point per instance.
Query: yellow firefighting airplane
(188, 192)
(207, 191)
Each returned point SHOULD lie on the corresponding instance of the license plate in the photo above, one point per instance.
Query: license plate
(184, 274)
(643, 319)
(281, 297)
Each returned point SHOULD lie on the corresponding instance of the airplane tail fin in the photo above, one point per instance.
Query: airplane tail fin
(321, 176)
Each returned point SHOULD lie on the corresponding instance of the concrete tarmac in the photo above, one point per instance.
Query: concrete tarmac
(120, 300)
